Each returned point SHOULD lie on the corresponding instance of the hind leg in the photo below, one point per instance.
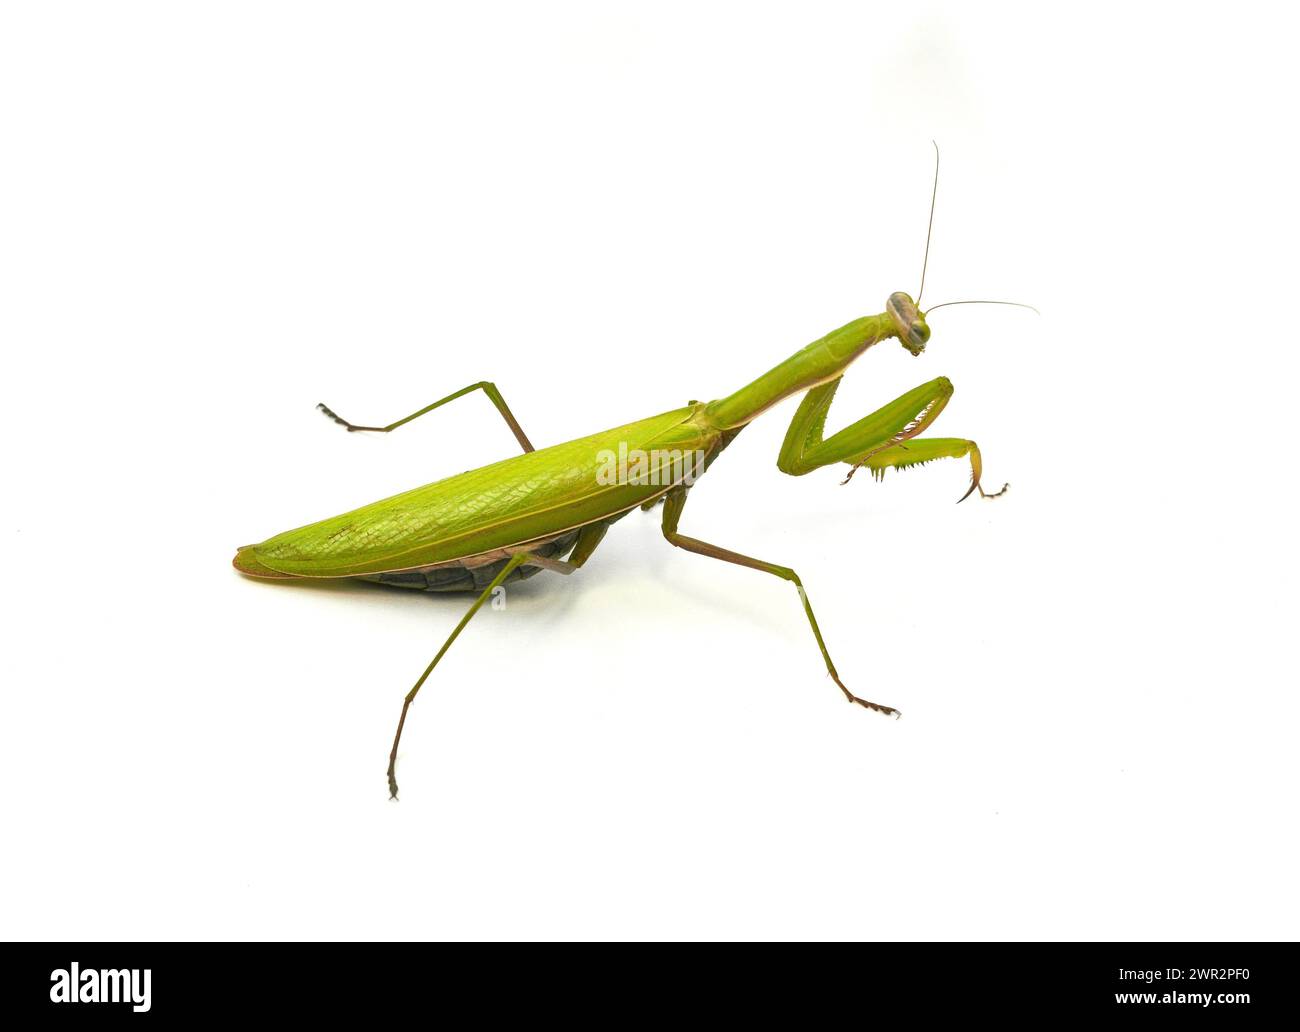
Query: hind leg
(486, 386)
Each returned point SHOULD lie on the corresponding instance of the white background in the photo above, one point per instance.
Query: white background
(215, 216)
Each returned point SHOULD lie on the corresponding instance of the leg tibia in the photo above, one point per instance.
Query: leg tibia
(486, 386)
(672, 513)
(923, 450)
(516, 560)
(902, 419)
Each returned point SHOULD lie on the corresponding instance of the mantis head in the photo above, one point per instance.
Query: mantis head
(910, 321)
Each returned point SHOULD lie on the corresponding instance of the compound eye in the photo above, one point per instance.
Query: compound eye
(918, 333)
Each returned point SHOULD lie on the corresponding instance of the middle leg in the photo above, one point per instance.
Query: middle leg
(673, 506)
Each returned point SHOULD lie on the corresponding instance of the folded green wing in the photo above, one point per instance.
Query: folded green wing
(520, 499)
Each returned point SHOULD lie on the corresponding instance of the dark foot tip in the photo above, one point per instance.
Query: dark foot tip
(888, 711)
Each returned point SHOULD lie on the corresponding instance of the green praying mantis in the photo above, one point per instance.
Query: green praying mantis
(549, 509)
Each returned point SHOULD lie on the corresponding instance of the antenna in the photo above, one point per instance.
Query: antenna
(1014, 304)
(929, 230)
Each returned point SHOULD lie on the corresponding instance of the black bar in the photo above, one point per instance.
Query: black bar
(1129, 982)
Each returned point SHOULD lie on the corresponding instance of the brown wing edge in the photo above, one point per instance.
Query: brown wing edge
(245, 562)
